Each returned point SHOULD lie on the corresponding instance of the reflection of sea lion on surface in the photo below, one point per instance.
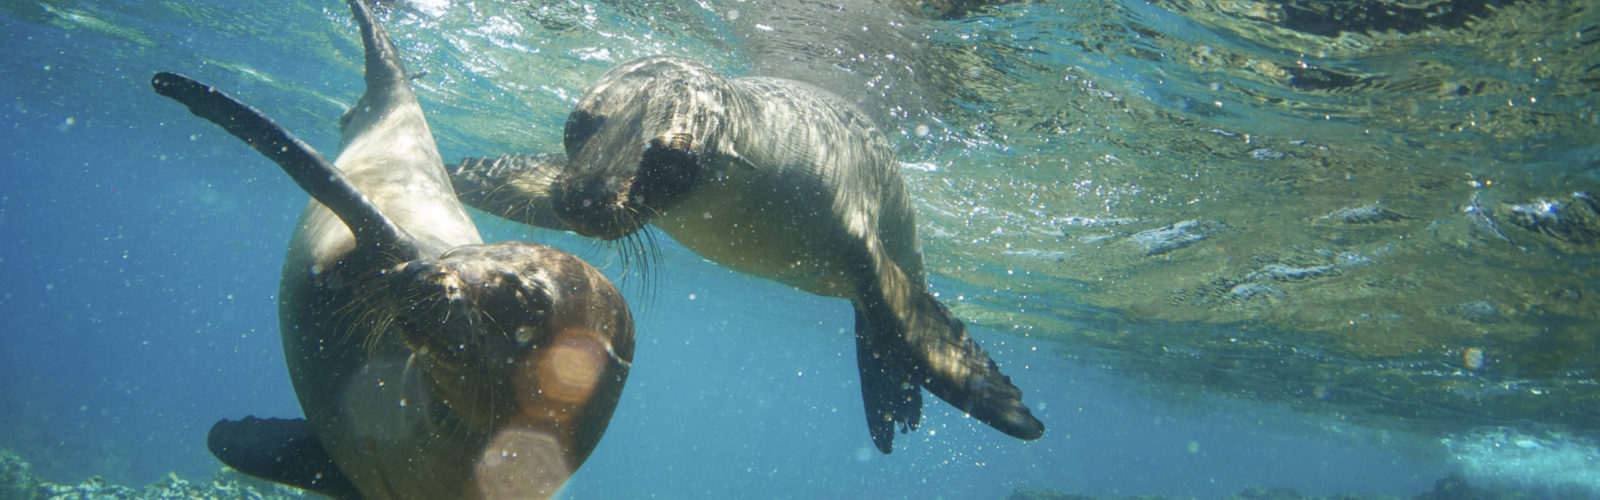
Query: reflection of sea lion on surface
(772, 178)
(429, 365)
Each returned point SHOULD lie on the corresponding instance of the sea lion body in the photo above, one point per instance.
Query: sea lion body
(781, 223)
(428, 364)
(776, 179)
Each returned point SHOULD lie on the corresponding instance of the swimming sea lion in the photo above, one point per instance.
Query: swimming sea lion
(772, 178)
(429, 365)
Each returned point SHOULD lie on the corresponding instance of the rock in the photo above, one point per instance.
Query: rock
(1574, 220)
(1172, 237)
(1365, 214)
(1258, 493)
(93, 488)
(16, 478)
(1480, 311)
(1033, 494)
(17, 482)
(1280, 272)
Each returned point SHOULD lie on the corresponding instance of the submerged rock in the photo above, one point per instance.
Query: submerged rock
(1035, 494)
(16, 478)
(93, 488)
(1574, 219)
(1478, 311)
(1267, 284)
(17, 482)
(1172, 237)
(1481, 218)
(1362, 215)
(1280, 272)
(1246, 291)
(1455, 487)
(1451, 487)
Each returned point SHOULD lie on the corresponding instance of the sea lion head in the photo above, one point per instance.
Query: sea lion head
(637, 144)
(517, 338)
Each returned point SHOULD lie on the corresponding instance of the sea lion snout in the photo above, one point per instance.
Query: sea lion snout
(616, 199)
(597, 206)
(479, 304)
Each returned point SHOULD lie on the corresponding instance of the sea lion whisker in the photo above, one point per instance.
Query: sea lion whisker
(649, 253)
(406, 374)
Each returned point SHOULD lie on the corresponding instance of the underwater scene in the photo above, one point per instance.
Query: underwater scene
(1225, 248)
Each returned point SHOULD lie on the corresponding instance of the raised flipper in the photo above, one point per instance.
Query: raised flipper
(282, 451)
(384, 73)
(911, 341)
(514, 187)
(386, 78)
(310, 170)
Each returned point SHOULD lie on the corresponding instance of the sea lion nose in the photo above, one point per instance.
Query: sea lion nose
(580, 197)
(601, 191)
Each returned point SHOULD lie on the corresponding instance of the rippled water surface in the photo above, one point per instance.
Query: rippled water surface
(1212, 239)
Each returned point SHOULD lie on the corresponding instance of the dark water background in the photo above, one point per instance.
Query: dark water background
(140, 248)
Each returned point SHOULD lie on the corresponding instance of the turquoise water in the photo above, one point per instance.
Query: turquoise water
(1287, 341)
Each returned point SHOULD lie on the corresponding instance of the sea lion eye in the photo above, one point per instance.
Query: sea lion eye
(580, 127)
(525, 334)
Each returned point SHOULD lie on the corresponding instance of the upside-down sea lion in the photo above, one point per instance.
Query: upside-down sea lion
(772, 178)
(429, 365)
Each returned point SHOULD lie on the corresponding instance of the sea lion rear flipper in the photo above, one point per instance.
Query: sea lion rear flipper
(913, 338)
(282, 451)
(888, 386)
(310, 170)
(513, 187)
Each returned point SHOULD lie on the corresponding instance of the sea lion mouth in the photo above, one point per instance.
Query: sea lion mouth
(599, 208)
(615, 202)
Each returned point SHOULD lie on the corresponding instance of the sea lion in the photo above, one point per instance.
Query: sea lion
(772, 178)
(428, 364)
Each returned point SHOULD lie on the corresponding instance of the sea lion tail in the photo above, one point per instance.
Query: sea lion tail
(906, 339)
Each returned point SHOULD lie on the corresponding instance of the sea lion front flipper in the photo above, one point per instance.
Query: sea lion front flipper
(309, 169)
(904, 322)
(282, 451)
(513, 187)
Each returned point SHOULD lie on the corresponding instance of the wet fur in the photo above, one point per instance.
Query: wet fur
(518, 187)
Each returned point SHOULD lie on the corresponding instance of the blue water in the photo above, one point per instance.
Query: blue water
(139, 261)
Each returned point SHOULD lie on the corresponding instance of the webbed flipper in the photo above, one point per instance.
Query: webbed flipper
(912, 340)
(282, 451)
(313, 173)
(889, 389)
(513, 187)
